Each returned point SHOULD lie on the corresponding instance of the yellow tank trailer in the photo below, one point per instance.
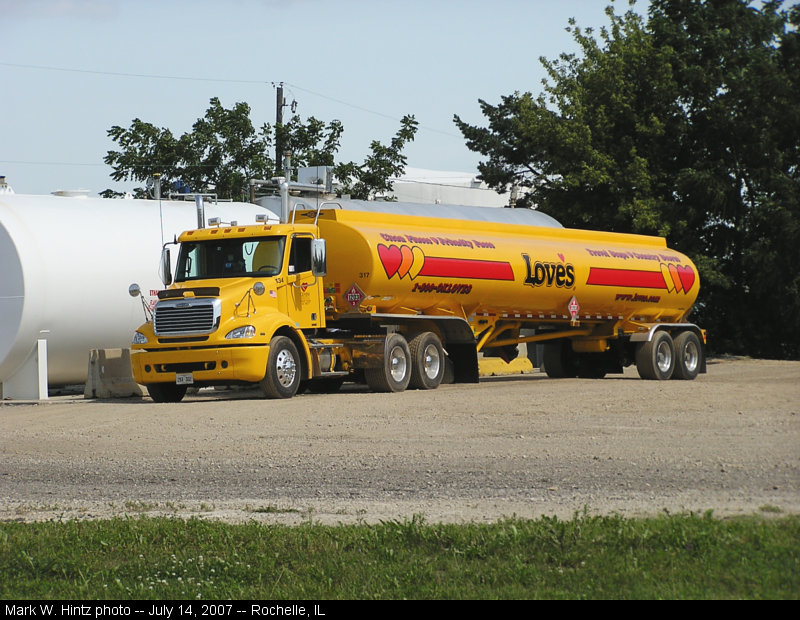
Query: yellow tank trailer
(399, 301)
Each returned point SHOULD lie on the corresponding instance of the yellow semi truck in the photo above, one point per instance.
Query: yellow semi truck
(398, 300)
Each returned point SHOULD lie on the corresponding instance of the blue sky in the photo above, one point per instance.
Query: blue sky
(70, 69)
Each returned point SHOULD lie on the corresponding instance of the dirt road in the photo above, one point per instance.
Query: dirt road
(523, 445)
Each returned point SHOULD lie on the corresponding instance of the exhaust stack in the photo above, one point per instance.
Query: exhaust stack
(201, 211)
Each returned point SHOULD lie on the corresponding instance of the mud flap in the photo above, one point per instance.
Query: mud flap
(465, 361)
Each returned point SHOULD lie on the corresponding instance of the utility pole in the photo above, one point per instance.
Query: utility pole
(280, 103)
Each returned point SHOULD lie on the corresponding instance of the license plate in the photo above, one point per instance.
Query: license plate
(184, 378)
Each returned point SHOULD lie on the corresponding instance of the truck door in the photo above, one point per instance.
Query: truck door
(303, 289)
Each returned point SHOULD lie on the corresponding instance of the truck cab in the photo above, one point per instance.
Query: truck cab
(237, 293)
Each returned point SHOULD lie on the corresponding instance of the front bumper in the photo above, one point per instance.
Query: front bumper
(207, 365)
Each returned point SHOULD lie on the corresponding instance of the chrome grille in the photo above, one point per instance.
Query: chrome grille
(177, 317)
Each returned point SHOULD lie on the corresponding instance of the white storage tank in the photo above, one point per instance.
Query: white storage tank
(65, 267)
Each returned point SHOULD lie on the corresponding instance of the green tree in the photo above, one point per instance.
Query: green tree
(385, 162)
(145, 151)
(685, 126)
(739, 71)
(223, 151)
(311, 143)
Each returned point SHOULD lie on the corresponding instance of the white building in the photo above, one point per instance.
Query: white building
(442, 187)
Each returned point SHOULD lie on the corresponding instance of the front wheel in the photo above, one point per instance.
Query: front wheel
(656, 359)
(395, 372)
(427, 361)
(166, 392)
(282, 378)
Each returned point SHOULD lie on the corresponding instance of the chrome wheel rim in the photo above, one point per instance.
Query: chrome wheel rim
(286, 368)
(431, 362)
(664, 357)
(398, 364)
(691, 357)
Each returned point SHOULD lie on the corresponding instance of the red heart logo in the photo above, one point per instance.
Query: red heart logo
(686, 274)
(391, 257)
(676, 278)
(561, 256)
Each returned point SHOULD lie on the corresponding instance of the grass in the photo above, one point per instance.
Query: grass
(668, 557)
(272, 509)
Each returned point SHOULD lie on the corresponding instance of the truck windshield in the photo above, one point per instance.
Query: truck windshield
(230, 258)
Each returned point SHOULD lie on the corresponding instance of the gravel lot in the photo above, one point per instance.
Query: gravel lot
(521, 445)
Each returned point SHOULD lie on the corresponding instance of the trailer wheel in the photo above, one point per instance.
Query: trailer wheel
(688, 356)
(427, 361)
(559, 360)
(395, 372)
(591, 366)
(166, 392)
(282, 378)
(656, 359)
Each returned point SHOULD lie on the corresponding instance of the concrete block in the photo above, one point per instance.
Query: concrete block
(110, 375)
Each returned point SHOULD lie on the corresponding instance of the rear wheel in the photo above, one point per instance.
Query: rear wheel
(166, 392)
(688, 356)
(559, 360)
(591, 366)
(656, 359)
(427, 361)
(394, 374)
(282, 378)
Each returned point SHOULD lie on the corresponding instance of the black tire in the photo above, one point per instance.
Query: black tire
(282, 377)
(427, 361)
(328, 385)
(656, 359)
(166, 392)
(688, 356)
(591, 366)
(559, 360)
(395, 373)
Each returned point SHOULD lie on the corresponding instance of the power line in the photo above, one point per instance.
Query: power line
(136, 75)
(352, 105)
(222, 80)
(48, 163)
(73, 163)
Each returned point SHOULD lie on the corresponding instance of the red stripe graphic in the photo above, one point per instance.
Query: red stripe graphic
(464, 268)
(600, 276)
(412, 262)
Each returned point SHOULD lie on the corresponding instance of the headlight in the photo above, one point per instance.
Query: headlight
(139, 338)
(246, 331)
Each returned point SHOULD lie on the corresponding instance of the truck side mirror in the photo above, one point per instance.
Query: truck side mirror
(165, 268)
(319, 258)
